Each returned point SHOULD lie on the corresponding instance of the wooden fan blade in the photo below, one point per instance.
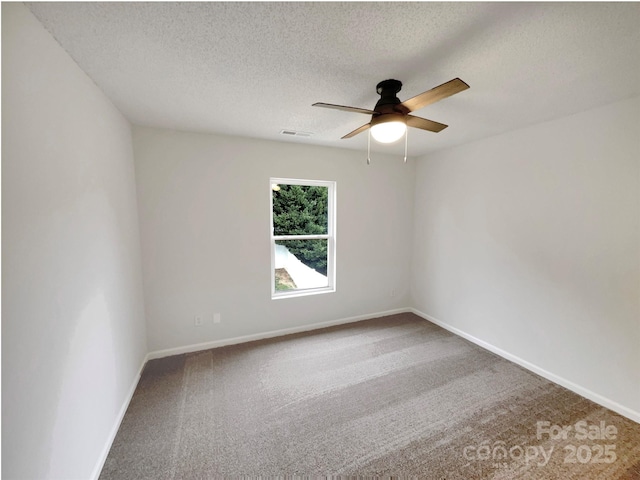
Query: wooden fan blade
(342, 107)
(435, 94)
(424, 124)
(357, 131)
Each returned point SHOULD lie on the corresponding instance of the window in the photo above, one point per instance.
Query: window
(302, 237)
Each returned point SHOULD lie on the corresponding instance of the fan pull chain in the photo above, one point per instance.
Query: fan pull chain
(406, 134)
(369, 148)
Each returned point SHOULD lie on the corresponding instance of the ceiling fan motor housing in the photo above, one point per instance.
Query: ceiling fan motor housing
(388, 117)
(389, 102)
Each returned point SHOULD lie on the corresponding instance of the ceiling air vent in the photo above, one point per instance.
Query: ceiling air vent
(293, 133)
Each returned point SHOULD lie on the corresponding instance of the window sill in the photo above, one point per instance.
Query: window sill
(301, 293)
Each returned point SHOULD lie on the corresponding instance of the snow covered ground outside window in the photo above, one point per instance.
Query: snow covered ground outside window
(302, 275)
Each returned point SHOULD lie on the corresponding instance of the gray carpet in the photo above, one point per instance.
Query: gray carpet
(395, 396)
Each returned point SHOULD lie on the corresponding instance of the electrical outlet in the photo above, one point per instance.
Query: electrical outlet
(197, 321)
(216, 318)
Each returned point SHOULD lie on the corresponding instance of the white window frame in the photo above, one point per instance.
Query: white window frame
(330, 236)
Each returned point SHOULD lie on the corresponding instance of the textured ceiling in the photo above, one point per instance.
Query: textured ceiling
(253, 69)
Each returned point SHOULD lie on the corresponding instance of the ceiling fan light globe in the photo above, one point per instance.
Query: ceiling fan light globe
(388, 132)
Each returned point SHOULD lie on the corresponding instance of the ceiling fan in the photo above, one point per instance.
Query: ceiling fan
(390, 117)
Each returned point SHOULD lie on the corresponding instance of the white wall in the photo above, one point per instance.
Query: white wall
(530, 241)
(73, 332)
(204, 217)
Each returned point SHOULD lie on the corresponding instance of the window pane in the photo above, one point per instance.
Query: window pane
(301, 264)
(300, 209)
